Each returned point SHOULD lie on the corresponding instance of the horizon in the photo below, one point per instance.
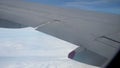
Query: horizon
(106, 6)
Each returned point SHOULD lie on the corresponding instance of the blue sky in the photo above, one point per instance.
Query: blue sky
(109, 6)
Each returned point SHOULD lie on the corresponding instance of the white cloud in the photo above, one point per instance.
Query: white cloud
(63, 63)
(28, 48)
(29, 42)
(11, 45)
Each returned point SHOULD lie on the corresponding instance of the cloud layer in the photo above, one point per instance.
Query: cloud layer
(29, 42)
(63, 63)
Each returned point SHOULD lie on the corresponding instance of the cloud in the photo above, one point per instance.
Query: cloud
(30, 42)
(63, 63)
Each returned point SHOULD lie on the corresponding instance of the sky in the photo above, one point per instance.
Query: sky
(109, 6)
